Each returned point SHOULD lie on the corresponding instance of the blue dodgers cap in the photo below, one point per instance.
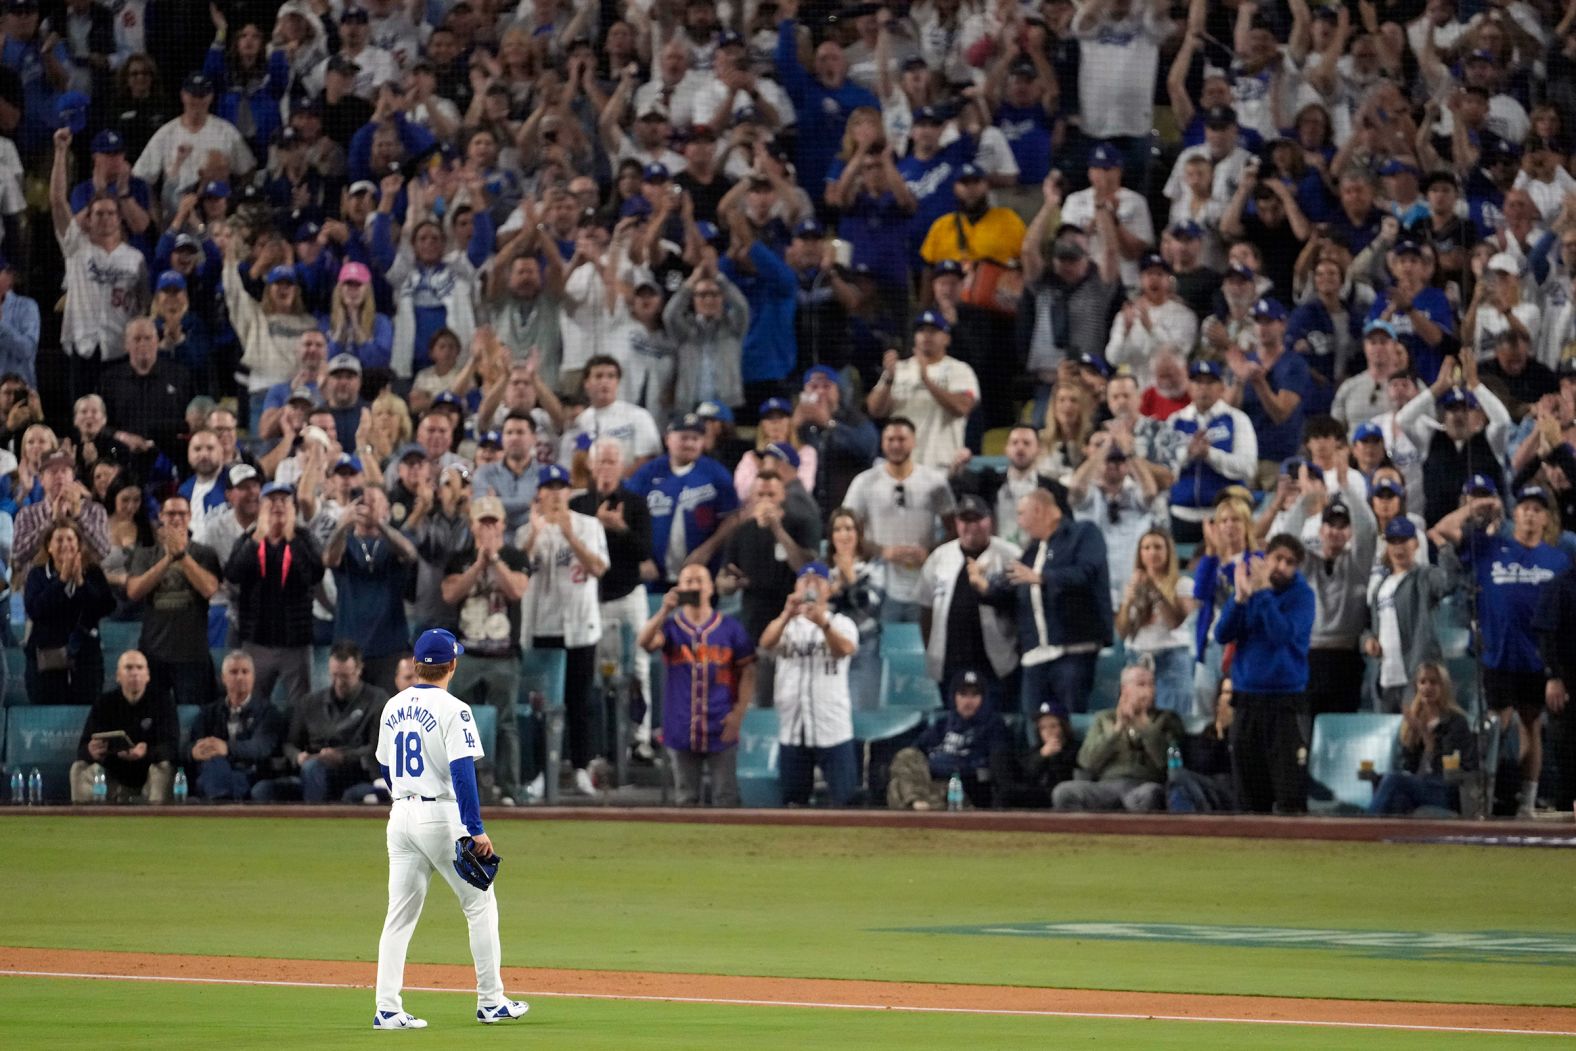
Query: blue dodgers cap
(825, 372)
(109, 141)
(771, 405)
(278, 489)
(1368, 432)
(1187, 229)
(1379, 324)
(655, 173)
(1295, 464)
(932, 319)
(928, 115)
(171, 281)
(1240, 270)
(1105, 156)
(443, 397)
(71, 111)
(307, 231)
(714, 410)
(1154, 261)
(348, 462)
(688, 422)
(636, 206)
(1095, 362)
(947, 268)
(1400, 530)
(1480, 484)
(809, 229)
(1220, 117)
(1408, 248)
(216, 188)
(817, 569)
(728, 38)
(1532, 492)
(784, 452)
(710, 232)
(1202, 370)
(197, 84)
(437, 646)
(969, 172)
(551, 474)
(1388, 488)
(493, 439)
(281, 273)
(1458, 398)
(1268, 309)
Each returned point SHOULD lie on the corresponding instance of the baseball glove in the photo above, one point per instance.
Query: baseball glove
(474, 869)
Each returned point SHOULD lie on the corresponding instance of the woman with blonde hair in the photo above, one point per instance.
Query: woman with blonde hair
(861, 135)
(1068, 425)
(1227, 535)
(1437, 748)
(353, 324)
(391, 425)
(269, 330)
(1152, 620)
(24, 486)
(65, 597)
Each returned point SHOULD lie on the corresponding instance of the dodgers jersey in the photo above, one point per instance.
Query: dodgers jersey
(423, 729)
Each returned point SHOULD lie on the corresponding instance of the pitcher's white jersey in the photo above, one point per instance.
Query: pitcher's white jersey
(423, 729)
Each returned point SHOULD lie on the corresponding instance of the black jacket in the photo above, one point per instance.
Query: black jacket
(152, 719)
(256, 747)
(271, 612)
(625, 550)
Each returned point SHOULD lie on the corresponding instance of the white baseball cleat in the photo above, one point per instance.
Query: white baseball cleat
(501, 1012)
(397, 1020)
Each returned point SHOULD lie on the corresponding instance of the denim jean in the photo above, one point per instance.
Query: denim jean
(1067, 681)
(1399, 792)
(217, 779)
(839, 765)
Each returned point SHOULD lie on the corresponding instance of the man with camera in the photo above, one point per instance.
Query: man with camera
(710, 661)
(370, 560)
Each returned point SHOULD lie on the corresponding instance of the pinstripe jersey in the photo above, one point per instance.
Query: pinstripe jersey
(810, 685)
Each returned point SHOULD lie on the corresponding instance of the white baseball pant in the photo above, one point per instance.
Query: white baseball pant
(421, 835)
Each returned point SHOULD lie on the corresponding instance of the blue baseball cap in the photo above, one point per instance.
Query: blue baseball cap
(784, 452)
(728, 38)
(710, 232)
(689, 421)
(928, 115)
(1532, 492)
(348, 462)
(1399, 530)
(1379, 324)
(809, 229)
(278, 489)
(714, 410)
(1408, 248)
(1458, 398)
(171, 281)
(1368, 432)
(1480, 483)
(492, 438)
(1268, 309)
(1154, 261)
(216, 188)
(947, 268)
(1239, 270)
(71, 111)
(437, 646)
(307, 231)
(1388, 488)
(816, 568)
(968, 681)
(932, 319)
(655, 173)
(1201, 369)
(969, 172)
(1188, 229)
(109, 141)
(1105, 156)
(281, 273)
(1481, 55)
(445, 397)
(197, 84)
(636, 206)
(1096, 362)
(771, 405)
(551, 474)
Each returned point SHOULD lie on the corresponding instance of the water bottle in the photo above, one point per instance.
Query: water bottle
(955, 793)
(18, 788)
(1173, 762)
(35, 788)
(100, 786)
(180, 786)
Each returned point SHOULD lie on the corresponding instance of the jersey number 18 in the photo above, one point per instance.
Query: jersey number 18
(407, 755)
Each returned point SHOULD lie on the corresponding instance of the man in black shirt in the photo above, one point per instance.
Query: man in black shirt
(702, 179)
(145, 396)
(1515, 375)
(626, 520)
(1195, 282)
(1452, 236)
(141, 760)
(235, 740)
(343, 111)
(1276, 227)
(177, 577)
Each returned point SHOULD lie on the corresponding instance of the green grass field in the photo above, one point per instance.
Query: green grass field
(790, 902)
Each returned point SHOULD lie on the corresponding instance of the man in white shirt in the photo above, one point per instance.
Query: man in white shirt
(587, 318)
(391, 30)
(106, 279)
(1544, 177)
(1157, 318)
(178, 152)
(675, 86)
(1119, 49)
(1135, 230)
(905, 507)
(1223, 146)
(813, 647)
(610, 417)
(375, 66)
(934, 392)
(560, 610)
(733, 88)
(1363, 396)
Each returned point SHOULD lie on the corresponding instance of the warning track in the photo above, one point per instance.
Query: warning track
(802, 993)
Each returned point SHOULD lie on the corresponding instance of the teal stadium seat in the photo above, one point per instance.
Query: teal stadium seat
(1108, 677)
(45, 736)
(1340, 745)
(319, 673)
(542, 671)
(15, 676)
(187, 714)
(881, 734)
(906, 684)
(901, 638)
(1080, 722)
(115, 638)
(759, 783)
(987, 463)
(486, 726)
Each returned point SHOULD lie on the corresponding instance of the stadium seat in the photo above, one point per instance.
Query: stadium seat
(885, 724)
(881, 734)
(1340, 745)
(759, 783)
(46, 736)
(1108, 677)
(15, 676)
(1464, 676)
(901, 638)
(542, 671)
(319, 671)
(905, 683)
(115, 638)
(1080, 722)
(187, 714)
(988, 463)
(994, 441)
(486, 726)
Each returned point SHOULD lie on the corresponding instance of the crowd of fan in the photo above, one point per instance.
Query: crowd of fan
(381, 315)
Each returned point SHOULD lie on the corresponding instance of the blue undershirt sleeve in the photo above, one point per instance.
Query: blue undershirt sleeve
(388, 778)
(463, 773)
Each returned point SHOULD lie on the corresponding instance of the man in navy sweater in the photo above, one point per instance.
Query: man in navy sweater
(1270, 618)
